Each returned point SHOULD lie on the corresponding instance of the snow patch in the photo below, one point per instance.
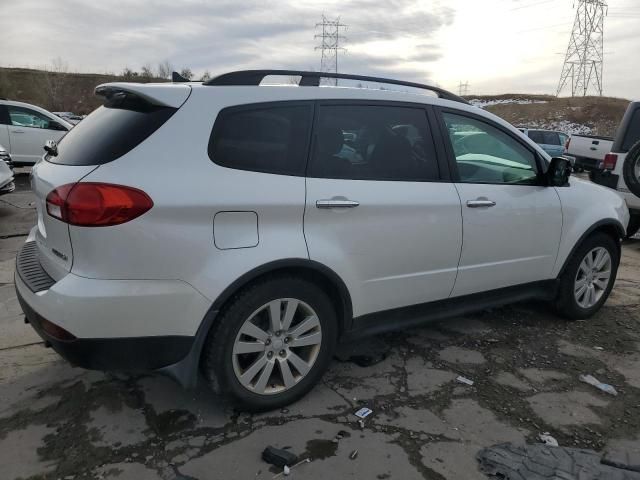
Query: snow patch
(562, 126)
(476, 102)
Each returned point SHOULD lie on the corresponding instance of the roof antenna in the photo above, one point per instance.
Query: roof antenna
(177, 78)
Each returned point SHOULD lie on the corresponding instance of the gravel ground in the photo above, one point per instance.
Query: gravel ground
(59, 422)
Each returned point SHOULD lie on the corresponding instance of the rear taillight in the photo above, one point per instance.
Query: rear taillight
(89, 204)
(609, 162)
(567, 143)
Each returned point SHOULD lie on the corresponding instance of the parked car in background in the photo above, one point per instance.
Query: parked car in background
(282, 241)
(551, 141)
(588, 150)
(620, 168)
(6, 157)
(24, 129)
(7, 184)
(69, 117)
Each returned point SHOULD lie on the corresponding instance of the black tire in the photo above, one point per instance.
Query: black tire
(628, 170)
(566, 303)
(634, 225)
(217, 362)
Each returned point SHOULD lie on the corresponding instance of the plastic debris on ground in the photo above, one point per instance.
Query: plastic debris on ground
(286, 470)
(279, 457)
(548, 439)
(364, 412)
(464, 380)
(605, 387)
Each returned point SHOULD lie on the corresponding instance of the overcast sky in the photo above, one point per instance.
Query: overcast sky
(498, 46)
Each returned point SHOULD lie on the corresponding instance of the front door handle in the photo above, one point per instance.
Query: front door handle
(337, 203)
(17, 131)
(480, 202)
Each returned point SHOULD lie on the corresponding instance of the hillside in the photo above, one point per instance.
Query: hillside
(586, 115)
(54, 91)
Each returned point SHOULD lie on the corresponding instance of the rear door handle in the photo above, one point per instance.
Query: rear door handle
(17, 131)
(480, 203)
(337, 203)
(593, 148)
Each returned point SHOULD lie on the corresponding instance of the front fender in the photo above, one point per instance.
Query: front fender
(587, 207)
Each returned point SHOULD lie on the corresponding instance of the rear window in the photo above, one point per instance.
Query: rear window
(633, 132)
(545, 138)
(121, 124)
(261, 138)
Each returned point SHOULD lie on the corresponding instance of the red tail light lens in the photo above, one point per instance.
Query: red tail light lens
(567, 143)
(91, 204)
(610, 160)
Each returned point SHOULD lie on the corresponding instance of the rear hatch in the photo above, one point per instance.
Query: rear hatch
(130, 114)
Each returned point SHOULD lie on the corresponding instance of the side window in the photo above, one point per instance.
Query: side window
(373, 142)
(551, 138)
(485, 154)
(25, 117)
(536, 136)
(271, 139)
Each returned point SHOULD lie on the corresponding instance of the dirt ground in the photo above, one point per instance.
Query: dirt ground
(60, 422)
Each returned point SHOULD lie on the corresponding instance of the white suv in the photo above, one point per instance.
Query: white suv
(243, 229)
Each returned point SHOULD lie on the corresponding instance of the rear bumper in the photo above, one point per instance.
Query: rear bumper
(587, 163)
(113, 354)
(130, 325)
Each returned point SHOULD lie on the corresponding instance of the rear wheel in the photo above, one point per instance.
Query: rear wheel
(631, 170)
(272, 343)
(588, 277)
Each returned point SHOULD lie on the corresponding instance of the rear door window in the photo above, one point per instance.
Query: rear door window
(111, 131)
(269, 138)
(373, 142)
(536, 136)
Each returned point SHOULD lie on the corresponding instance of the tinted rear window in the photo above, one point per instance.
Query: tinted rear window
(261, 138)
(111, 131)
(633, 132)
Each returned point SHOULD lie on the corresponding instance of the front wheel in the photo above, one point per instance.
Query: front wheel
(272, 343)
(588, 277)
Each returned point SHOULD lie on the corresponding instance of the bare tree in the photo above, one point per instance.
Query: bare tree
(129, 75)
(55, 78)
(205, 76)
(147, 72)
(186, 73)
(165, 69)
(5, 85)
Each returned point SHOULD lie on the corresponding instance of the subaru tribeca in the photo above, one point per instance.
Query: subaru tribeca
(241, 230)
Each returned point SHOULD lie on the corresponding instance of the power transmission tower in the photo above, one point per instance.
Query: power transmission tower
(585, 54)
(463, 88)
(330, 44)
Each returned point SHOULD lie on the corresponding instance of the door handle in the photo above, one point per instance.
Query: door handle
(17, 131)
(593, 148)
(337, 203)
(480, 203)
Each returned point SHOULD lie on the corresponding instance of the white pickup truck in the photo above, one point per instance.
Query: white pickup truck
(620, 168)
(588, 150)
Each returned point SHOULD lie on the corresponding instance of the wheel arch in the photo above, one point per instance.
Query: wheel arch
(609, 226)
(186, 371)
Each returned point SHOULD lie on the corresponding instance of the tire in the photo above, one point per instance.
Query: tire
(631, 165)
(230, 370)
(634, 225)
(567, 301)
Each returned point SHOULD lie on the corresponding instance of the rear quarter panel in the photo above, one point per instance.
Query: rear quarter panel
(175, 239)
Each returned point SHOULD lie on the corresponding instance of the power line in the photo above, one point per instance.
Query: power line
(584, 59)
(330, 44)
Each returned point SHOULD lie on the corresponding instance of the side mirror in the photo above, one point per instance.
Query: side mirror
(558, 172)
(51, 147)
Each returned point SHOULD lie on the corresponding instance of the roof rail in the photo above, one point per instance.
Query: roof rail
(312, 79)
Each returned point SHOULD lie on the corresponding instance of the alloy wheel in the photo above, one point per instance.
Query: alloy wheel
(592, 278)
(277, 346)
